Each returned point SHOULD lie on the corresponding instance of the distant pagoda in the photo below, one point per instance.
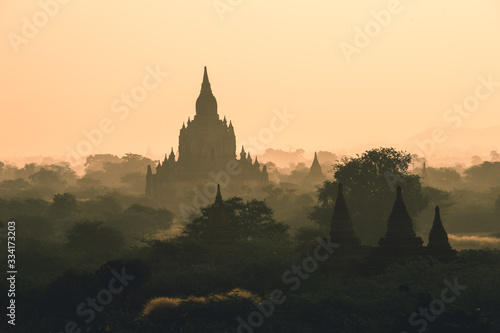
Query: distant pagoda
(315, 175)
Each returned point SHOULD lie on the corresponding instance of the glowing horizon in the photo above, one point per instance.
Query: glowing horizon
(261, 57)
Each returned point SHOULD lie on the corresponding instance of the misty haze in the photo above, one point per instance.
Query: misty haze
(250, 166)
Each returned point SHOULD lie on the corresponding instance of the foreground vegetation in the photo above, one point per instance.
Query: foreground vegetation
(77, 234)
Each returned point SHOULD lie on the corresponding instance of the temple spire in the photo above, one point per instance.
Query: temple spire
(315, 170)
(315, 175)
(205, 85)
(341, 230)
(218, 197)
(206, 104)
(399, 223)
(439, 246)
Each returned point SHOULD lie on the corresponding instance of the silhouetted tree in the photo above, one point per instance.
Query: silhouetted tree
(484, 175)
(251, 219)
(46, 177)
(102, 207)
(14, 185)
(444, 178)
(475, 160)
(138, 271)
(135, 180)
(63, 205)
(93, 236)
(138, 221)
(96, 162)
(495, 156)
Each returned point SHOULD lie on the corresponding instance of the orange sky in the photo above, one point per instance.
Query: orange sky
(261, 56)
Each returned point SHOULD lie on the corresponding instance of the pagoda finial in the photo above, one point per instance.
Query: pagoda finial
(218, 197)
(205, 86)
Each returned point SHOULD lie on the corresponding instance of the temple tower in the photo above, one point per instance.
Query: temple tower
(400, 243)
(207, 149)
(346, 260)
(341, 230)
(220, 230)
(315, 175)
(439, 247)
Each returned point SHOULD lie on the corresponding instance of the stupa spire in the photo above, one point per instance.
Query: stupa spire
(439, 246)
(341, 229)
(218, 197)
(399, 223)
(206, 104)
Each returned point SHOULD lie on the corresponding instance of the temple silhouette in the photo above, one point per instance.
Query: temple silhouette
(207, 154)
(315, 175)
(399, 245)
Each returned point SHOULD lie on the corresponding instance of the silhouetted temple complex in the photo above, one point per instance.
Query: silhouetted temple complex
(399, 245)
(207, 153)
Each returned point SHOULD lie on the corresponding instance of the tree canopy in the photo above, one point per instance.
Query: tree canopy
(251, 219)
(371, 178)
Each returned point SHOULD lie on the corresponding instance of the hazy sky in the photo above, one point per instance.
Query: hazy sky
(263, 55)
